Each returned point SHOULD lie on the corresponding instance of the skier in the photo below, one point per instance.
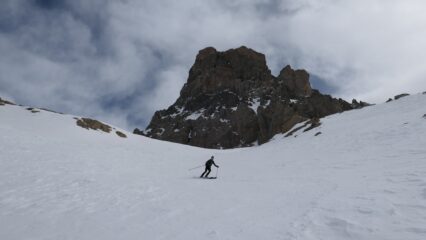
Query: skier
(209, 164)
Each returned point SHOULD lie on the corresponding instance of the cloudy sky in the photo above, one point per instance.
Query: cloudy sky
(120, 60)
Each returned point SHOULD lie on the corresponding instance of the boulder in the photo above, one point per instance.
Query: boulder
(120, 134)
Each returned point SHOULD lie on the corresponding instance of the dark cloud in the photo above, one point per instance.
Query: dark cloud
(50, 4)
(323, 85)
(119, 61)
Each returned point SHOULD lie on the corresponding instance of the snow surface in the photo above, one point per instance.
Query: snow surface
(294, 101)
(195, 115)
(255, 104)
(364, 177)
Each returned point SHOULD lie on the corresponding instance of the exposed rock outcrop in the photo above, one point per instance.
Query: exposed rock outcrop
(48, 110)
(314, 122)
(297, 81)
(88, 123)
(120, 134)
(4, 102)
(356, 105)
(231, 99)
(93, 124)
(138, 131)
(401, 96)
(33, 110)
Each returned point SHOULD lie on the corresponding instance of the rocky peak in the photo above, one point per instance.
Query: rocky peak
(297, 81)
(231, 99)
(215, 71)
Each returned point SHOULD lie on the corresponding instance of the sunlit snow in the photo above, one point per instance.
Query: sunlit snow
(364, 177)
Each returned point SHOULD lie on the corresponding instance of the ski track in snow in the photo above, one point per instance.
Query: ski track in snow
(364, 177)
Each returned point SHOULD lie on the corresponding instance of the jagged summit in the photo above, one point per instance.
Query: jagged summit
(231, 99)
(215, 71)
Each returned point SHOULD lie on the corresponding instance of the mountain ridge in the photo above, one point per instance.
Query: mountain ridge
(231, 99)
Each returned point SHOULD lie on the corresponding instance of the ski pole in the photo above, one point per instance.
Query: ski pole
(195, 168)
(217, 170)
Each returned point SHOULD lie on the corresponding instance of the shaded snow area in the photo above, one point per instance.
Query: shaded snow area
(364, 177)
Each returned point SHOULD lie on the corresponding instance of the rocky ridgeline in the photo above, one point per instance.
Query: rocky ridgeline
(87, 123)
(231, 99)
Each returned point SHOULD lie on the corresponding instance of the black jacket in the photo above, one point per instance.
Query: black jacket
(210, 162)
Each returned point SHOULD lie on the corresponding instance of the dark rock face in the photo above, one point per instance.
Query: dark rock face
(389, 100)
(297, 81)
(401, 96)
(231, 99)
(356, 105)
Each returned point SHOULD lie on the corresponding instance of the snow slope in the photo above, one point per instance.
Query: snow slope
(364, 177)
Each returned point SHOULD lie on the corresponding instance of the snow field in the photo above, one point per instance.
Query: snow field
(364, 177)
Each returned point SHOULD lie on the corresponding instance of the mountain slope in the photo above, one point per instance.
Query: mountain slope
(363, 177)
